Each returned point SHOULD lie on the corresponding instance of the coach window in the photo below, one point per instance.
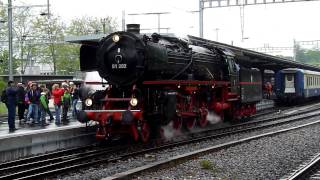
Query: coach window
(312, 81)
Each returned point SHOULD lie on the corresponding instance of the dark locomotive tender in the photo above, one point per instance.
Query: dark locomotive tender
(159, 80)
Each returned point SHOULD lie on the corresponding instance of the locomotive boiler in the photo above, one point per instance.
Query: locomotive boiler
(157, 80)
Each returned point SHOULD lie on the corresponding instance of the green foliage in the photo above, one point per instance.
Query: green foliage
(90, 25)
(308, 56)
(4, 62)
(3, 108)
(3, 85)
(206, 164)
(68, 58)
(37, 39)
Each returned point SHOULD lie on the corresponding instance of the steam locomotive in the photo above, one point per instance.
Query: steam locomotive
(157, 80)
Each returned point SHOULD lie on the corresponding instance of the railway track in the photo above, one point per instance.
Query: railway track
(154, 166)
(68, 160)
(310, 169)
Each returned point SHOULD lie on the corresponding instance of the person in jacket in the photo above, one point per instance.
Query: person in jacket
(57, 93)
(66, 103)
(33, 99)
(21, 92)
(75, 94)
(48, 95)
(11, 92)
(44, 107)
(26, 99)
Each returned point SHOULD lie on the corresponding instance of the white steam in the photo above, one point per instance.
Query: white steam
(213, 118)
(169, 132)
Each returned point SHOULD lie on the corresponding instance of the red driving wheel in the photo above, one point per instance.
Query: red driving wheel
(145, 132)
(190, 123)
(177, 123)
(203, 121)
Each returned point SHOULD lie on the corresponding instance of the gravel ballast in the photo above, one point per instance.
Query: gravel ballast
(266, 158)
(264, 154)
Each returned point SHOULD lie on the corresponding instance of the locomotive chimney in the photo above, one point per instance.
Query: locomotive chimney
(133, 28)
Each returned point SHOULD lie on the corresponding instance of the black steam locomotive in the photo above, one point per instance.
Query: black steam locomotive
(158, 80)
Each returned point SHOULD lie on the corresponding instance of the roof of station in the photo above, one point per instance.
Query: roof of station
(252, 58)
(85, 39)
(243, 56)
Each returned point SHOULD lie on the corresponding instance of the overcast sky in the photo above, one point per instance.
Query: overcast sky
(276, 25)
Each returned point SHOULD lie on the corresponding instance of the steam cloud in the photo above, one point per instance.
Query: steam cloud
(213, 118)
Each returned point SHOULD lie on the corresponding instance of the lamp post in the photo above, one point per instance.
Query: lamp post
(52, 48)
(10, 35)
(103, 22)
(10, 39)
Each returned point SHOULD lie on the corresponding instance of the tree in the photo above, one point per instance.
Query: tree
(68, 58)
(300, 54)
(52, 33)
(90, 25)
(311, 56)
(42, 39)
(23, 35)
(4, 63)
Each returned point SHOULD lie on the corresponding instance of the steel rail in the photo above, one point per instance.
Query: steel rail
(305, 171)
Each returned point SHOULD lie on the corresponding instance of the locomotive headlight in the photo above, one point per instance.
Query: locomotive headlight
(88, 102)
(134, 102)
(115, 38)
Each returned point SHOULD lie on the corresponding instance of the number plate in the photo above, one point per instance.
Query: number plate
(119, 66)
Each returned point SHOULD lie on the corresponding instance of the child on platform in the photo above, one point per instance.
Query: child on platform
(44, 107)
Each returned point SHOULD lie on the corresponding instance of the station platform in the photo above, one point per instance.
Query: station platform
(33, 139)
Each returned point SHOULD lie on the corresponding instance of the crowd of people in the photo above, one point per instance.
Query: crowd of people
(32, 102)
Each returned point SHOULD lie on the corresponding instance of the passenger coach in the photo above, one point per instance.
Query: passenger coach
(297, 84)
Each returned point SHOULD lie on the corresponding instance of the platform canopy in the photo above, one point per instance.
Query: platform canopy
(254, 59)
(85, 39)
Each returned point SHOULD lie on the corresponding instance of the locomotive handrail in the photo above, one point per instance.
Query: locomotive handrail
(185, 82)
